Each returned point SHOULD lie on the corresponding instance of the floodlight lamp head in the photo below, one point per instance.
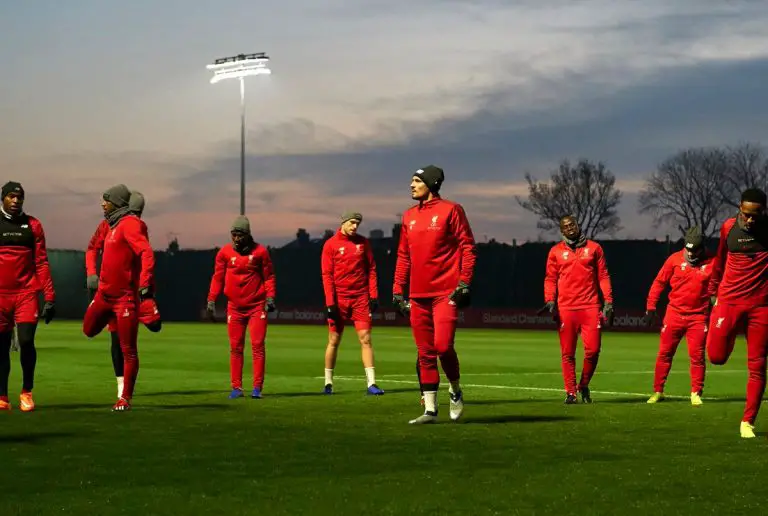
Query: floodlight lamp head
(239, 66)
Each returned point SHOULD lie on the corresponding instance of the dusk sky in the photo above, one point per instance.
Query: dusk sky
(363, 93)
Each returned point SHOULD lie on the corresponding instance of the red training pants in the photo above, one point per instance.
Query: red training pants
(675, 327)
(433, 323)
(586, 322)
(724, 324)
(17, 308)
(255, 321)
(148, 314)
(126, 314)
(355, 309)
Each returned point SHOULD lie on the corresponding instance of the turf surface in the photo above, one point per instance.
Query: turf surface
(187, 449)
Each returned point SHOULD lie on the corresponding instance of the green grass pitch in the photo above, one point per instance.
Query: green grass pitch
(186, 449)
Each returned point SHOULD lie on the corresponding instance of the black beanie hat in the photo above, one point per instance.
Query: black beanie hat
(432, 176)
(13, 187)
(119, 195)
(693, 238)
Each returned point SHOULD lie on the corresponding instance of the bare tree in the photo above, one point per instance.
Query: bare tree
(587, 191)
(685, 190)
(747, 168)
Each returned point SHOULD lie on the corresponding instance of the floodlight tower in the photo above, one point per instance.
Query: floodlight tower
(240, 67)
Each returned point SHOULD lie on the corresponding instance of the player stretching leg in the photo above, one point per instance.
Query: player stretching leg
(149, 315)
(25, 271)
(351, 294)
(435, 260)
(243, 271)
(687, 273)
(126, 280)
(739, 286)
(576, 275)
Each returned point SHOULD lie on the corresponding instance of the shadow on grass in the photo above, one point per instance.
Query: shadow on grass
(183, 393)
(75, 406)
(183, 406)
(34, 438)
(508, 401)
(515, 418)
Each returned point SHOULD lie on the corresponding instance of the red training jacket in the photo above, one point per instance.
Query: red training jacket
(688, 284)
(24, 263)
(436, 251)
(348, 268)
(247, 280)
(128, 262)
(740, 269)
(96, 246)
(573, 276)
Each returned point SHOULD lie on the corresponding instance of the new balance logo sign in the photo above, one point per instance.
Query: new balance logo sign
(719, 322)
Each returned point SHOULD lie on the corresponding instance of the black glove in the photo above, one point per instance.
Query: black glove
(211, 310)
(271, 304)
(373, 304)
(401, 304)
(551, 309)
(145, 293)
(461, 295)
(333, 312)
(649, 318)
(49, 312)
(92, 282)
(608, 314)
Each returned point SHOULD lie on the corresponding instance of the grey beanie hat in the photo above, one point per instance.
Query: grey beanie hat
(136, 202)
(351, 215)
(241, 225)
(119, 195)
(693, 238)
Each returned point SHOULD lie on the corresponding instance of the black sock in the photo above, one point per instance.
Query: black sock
(117, 355)
(5, 361)
(28, 355)
(418, 375)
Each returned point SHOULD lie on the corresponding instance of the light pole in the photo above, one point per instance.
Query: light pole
(240, 67)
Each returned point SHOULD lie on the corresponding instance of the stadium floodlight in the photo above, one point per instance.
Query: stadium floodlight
(240, 67)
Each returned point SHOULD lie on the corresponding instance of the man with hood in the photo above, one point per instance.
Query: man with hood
(435, 262)
(149, 315)
(351, 294)
(24, 273)
(687, 273)
(126, 281)
(575, 279)
(738, 289)
(243, 271)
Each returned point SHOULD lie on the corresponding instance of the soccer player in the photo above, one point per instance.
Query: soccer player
(576, 273)
(739, 289)
(435, 261)
(687, 273)
(149, 315)
(243, 271)
(126, 280)
(24, 272)
(351, 294)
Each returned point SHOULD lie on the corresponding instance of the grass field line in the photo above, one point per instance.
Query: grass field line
(522, 388)
(558, 373)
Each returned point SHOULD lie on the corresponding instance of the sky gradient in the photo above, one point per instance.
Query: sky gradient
(362, 94)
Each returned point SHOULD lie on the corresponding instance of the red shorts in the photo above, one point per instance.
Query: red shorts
(354, 309)
(148, 314)
(19, 308)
